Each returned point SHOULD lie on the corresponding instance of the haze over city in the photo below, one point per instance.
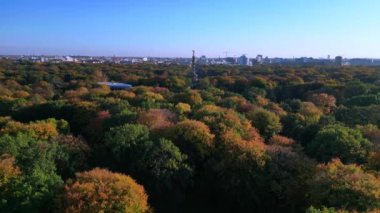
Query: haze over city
(293, 28)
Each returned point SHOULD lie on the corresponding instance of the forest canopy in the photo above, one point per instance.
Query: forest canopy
(241, 139)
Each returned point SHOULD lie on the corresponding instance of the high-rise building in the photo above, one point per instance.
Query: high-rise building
(243, 60)
(339, 60)
(259, 59)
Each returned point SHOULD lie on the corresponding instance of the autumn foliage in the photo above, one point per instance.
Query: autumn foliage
(281, 141)
(100, 190)
(157, 119)
(345, 187)
(261, 138)
(194, 138)
(8, 169)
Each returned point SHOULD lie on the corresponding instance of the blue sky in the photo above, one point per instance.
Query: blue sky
(283, 28)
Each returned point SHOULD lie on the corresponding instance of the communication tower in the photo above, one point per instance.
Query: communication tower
(194, 69)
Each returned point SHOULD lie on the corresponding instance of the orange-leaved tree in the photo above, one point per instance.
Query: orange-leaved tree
(100, 190)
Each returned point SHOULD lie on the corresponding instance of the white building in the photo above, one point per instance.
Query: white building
(68, 59)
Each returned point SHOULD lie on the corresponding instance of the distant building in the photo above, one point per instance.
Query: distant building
(116, 86)
(339, 60)
(243, 60)
(266, 60)
(203, 60)
(43, 59)
(182, 61)
(361, 62)
(68, 59)
(259, 59)
(230, 60)
(276, 60)
(253, 61)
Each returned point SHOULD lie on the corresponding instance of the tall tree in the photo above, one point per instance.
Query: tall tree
(337, 141)
(100, 190)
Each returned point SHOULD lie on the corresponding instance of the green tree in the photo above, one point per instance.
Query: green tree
(359, 115)
(34, 189)
(288, 173)
(119, 119)
(72, 155)
(323, 209)
(356, 88)
(194, 139)
(134, 151)
(337, 141)
(158, 164)
(237, 170)
(293, 125)
(167, 165)
(363, 100)
(127, 146)
(191, 97)
(266, 122)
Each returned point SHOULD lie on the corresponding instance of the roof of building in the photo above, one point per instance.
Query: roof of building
(116, 85)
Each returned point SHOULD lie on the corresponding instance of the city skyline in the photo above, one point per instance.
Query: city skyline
(154, 28)
(189, 56)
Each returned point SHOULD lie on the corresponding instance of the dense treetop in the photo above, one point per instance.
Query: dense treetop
(241, 139)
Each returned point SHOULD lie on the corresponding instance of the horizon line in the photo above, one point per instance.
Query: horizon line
(119, 56)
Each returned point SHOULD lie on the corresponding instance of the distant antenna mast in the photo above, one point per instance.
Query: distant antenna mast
(195, 75)
(193, 61)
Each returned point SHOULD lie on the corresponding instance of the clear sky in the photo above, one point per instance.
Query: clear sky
(283, 28)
